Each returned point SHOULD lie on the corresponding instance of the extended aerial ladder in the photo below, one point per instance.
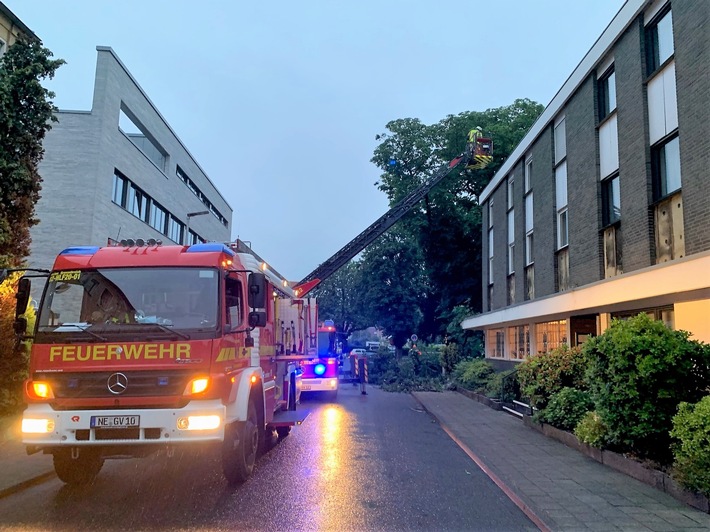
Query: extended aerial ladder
(478, 154)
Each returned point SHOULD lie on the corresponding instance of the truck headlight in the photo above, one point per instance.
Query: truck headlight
(198, 385)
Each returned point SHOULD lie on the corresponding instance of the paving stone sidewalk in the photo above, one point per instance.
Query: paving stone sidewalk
(565, 489)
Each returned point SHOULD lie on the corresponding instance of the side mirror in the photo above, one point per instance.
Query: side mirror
(23, 296)
(257, 290)
(20, 326)
(257, 319)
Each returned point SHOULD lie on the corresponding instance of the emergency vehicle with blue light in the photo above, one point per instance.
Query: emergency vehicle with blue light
(320, 369)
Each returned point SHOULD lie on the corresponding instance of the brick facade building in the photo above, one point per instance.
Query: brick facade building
(603, 209)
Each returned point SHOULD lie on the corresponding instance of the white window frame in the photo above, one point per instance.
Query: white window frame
(561, 200)
(560, 139)
(529, 226)
(490, 256)
(511, 241)
(528, 174)
(608, 147)
(662, 104)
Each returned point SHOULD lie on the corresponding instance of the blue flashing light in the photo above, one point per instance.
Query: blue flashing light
(319, 369)
(80, 250)
(393, 161)
(210, 247)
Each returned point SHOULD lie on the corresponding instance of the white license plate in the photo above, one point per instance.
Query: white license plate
(306, 387)
(114, 422)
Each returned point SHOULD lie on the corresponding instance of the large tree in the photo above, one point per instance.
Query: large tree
(26, 114)
(446, 226)
(424, 274)
(339, 299)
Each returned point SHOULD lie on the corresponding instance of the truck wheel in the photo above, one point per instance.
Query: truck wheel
(241, 443)
(80, 470)
(283, 432)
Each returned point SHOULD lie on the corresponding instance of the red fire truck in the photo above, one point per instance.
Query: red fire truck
(142, 347)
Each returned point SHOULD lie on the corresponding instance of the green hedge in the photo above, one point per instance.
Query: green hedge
(639, 372)
(691, 450)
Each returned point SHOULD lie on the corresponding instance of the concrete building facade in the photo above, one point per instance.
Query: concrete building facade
(603, 209)
(119, 171)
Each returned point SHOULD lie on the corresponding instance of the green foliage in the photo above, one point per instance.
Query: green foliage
(393, 284)
(691, 451)
(449, 356)
(470, 343)
(14, 357)
(26, 113)
(503, 386)
(473, 374)
(545, 374)
(566, 408)
(639, 371)
(591, 430)
(338, 299)
(382, 366)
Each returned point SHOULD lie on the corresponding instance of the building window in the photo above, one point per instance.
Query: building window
(519, 342)
(662, 104)
(511, 241)
(158, 217)
(664, 314)
(175, 230)
(490, 256)
(200, 195)
(496, 343)
(550, 335)
(528, 175)
(141, 137)
(120, 185)
(561, 200)
(511, 192)
(611, 200)
(659, 39)
(529, 257)
(560, 141)
(136, 203)
(606, 87)
(665, 168)
(490, 213)
(608, 147)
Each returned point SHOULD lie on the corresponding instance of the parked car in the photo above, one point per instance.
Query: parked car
(359, 352)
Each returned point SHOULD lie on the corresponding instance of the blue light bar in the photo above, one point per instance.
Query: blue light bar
(80, 250)
(210, 247)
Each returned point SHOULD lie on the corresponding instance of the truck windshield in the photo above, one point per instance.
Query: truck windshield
(173, 298)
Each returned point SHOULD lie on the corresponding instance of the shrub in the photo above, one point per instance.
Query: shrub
(545, 374)
(566, 408)
(449, 357)
(691, 452)
(639, 371)
(14, 358)
(503, 386)
(473, 374)
(591, 430)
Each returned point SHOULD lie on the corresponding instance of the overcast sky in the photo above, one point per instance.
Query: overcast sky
(279, 102)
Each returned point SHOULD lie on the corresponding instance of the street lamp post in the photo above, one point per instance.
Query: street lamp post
(187, 230)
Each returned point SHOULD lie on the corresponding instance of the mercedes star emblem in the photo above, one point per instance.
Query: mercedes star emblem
(117, 383)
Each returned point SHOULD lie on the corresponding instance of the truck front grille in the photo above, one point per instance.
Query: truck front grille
(133, 384)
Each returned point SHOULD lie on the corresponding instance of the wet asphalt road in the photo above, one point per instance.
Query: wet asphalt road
(375, 462)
